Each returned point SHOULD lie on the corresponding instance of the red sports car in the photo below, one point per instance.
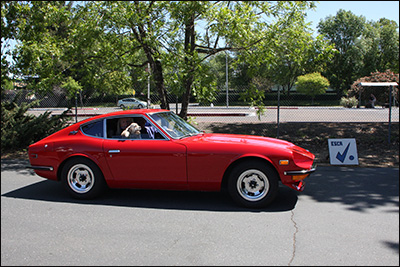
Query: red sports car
(156, 149)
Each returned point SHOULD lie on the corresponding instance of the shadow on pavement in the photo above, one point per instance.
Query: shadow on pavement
(159, 199)
(357, 188)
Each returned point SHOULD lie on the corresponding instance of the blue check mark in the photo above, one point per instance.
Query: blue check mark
(340, 156)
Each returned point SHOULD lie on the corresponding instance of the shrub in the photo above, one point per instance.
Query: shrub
(348, 102)
(312, 84)
(19, 130)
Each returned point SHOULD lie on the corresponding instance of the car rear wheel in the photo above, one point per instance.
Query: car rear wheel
(253, 184)
(122, 106)
(83, 179)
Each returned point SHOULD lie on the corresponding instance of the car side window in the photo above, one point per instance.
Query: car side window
(93, 129)
(147, 130)
(116, 126)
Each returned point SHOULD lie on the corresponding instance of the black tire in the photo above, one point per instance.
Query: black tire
(140, 106)
(83, 179)
(253, 184)
(122, 106)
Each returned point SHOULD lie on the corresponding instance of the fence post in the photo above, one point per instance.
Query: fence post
(226, 79)
(76, 107)
(176, 107)
(279, 103)
(390, 110)
(148, 86)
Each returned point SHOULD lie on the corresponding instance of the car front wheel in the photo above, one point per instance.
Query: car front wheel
(253, 184)
(83, 179)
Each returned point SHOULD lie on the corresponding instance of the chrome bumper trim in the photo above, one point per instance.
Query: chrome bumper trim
(313, 169)
(41, 168)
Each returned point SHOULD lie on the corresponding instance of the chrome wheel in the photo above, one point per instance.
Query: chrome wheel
(252, 185)
(80, 178)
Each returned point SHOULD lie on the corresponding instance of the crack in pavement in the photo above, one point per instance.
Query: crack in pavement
(294, 238)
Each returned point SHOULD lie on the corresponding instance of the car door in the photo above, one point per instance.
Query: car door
(147, 163)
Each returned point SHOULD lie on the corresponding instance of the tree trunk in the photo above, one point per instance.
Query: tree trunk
(159, 81)
(189, 77)
(155, 66)
(186, 96)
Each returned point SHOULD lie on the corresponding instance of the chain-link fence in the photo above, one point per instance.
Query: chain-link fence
(227, 107)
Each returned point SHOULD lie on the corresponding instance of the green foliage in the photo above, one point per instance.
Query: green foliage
(7, 84)
(349, 102)
(254, 97)
(296, 52)
(19, 129)
(205, 85)
(380, 45)
(104, 46)
(344, 31)
(312, 84)
(362, 47)
(71, 86)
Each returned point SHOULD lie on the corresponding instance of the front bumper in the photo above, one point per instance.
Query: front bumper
(301, 172)
(297, 178)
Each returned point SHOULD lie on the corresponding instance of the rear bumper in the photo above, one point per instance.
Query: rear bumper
(41, 168)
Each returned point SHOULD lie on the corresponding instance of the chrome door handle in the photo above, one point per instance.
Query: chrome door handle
(114, 151)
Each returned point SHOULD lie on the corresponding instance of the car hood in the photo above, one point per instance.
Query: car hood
(253, 140)
(246, 145)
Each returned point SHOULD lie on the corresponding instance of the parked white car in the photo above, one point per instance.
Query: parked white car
(131, 102)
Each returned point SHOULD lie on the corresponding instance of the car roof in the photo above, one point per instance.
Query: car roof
(124, 112)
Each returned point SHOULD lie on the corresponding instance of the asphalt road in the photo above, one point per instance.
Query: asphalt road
(345, 216)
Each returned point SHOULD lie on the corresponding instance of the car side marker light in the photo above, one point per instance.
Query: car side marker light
(284, 162)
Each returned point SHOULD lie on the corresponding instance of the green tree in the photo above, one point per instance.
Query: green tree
(388, 44)
(344, 31)
(7, 35)
(288, 50)
(312, 84)
(99, 44)
(297, 52)
(137, 28)
(380, 44)
(242, 25)
(61, 40)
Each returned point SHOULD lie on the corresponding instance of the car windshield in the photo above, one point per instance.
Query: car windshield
(174, 125)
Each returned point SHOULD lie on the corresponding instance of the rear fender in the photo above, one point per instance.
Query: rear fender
(100, 162)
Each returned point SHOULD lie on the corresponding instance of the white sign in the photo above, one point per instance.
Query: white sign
(343, 151)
